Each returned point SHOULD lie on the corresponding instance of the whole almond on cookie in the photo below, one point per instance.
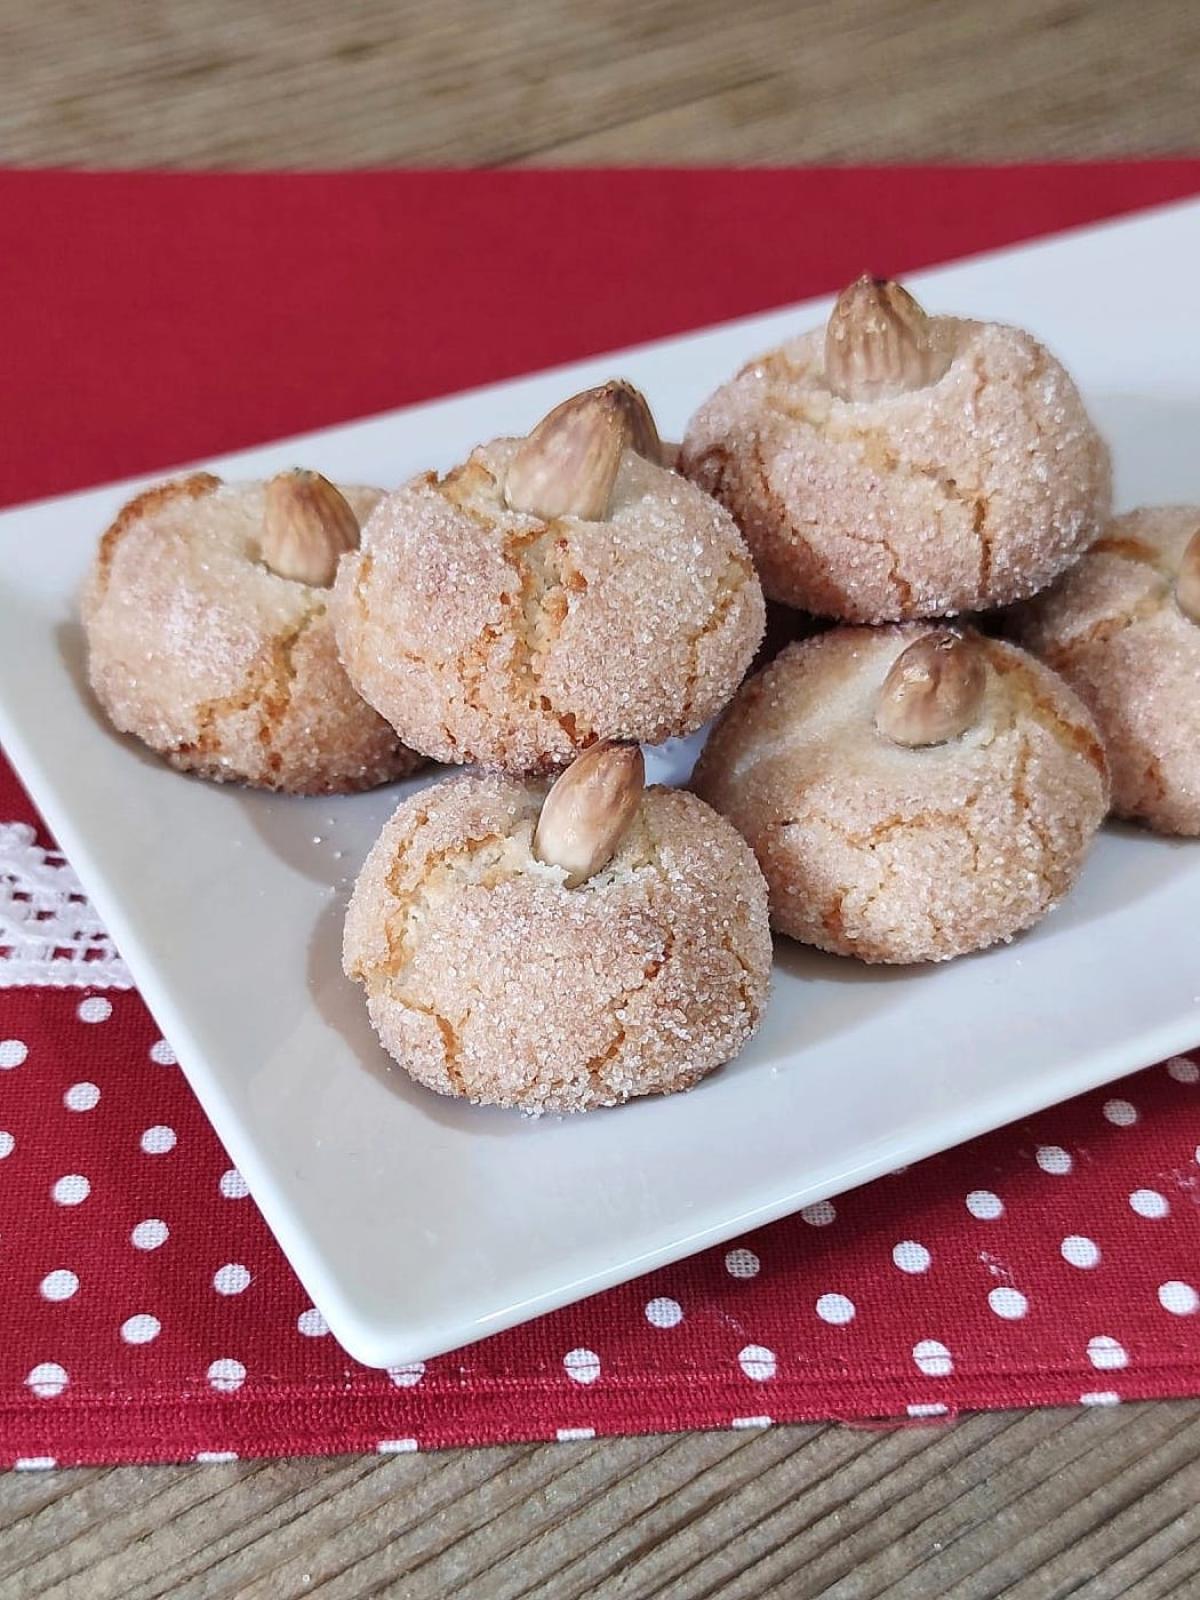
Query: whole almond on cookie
(307, 527)
(641, 428)
(879, 342)
(1187, 580)
(568, 465)
(933, 692)
(586, 814)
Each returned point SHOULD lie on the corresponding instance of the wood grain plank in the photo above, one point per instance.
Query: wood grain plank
(1027, 1505)
(574, 1555)
(825, 1500)
(479, 1553)
(317, 1505)
(858, 1530)
(1176, 1576)
(1158, 1536)
(444, 1555)
(294, 83)
(1151, 1470)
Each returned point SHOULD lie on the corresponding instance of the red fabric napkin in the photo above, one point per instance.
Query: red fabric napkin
(148, 1315)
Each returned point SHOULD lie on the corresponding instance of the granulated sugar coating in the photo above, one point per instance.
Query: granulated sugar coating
(1113, 628)
(486, 977)
(894, 854)
(209, 658)
(494, 636)
(974, 491)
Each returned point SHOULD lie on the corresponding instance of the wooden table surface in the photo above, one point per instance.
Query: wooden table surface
(1090, 1504)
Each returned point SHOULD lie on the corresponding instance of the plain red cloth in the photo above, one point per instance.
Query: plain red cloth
(150, 320)
(148, 1315)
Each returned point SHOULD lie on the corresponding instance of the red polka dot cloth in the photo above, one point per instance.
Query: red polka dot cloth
(148, 1315)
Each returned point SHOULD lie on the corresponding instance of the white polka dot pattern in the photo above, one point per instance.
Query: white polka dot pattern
(1080, 1251)
(95, 1009)
(225, 1374)
(150, 1234)
(911, 1257)
(757, 1362)
(1054, 1159)
(141, 1329)
(1106, 1354)
(405, 1377)
(933, 1359)
(582, 1366)
(72, 1189)
(1181, 1299)
(1055, 1255)
(60, 1284)
(47, 1380)
(12, 1053)
(836, 1309)
(1008, 1303)
(742, 1264)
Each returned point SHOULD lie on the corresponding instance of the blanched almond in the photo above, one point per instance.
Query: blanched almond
(307, 526)
(879, 342)
(568, 465)
(934, 690)
(1187, 581)
(642, 430)
(589, 808)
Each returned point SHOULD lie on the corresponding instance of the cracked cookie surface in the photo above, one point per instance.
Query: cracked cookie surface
(895, 854)
(487, 978)
(1114, 630)
(967, 494)
(222, 667)
(493, 636)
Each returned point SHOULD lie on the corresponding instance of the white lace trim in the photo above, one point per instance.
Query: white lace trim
(49, 935)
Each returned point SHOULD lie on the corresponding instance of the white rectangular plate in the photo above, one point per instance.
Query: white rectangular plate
(418, 1224)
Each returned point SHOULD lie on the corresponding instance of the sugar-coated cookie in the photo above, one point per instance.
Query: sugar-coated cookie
(551, 592)
(209, 636)
(910, 793)
(565, 953)
(1123, 628)
(894, 466)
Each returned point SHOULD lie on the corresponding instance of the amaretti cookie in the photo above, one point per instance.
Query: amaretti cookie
(1123, 628)
(552, 592)
(911, 793)
(209, 636)
(561, 952)
(892, 465)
